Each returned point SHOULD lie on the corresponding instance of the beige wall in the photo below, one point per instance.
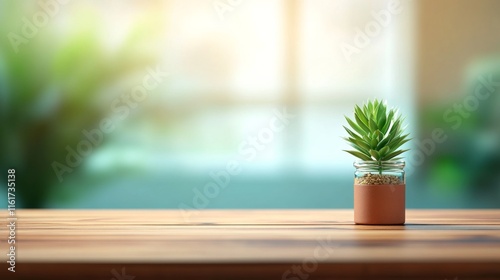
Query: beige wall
(452, 34)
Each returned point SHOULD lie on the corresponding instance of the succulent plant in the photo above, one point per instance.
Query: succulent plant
(376, 134)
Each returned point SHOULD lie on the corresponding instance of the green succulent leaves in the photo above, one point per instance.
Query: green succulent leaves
(376, 133)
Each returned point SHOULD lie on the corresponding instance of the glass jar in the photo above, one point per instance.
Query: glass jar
(379, 173)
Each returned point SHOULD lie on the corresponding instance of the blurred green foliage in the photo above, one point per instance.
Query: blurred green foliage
(470, 159)
(53, 88)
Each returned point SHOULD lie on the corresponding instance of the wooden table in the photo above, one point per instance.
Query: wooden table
(252, 244)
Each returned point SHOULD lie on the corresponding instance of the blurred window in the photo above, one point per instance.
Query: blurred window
(231, 69)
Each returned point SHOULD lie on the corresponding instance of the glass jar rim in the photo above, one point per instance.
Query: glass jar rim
(387, 163)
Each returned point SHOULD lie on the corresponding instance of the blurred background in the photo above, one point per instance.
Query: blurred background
(250, 114)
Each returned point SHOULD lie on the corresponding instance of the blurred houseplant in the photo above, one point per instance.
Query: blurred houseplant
(451, 169)
(376, 134)
(53, 89)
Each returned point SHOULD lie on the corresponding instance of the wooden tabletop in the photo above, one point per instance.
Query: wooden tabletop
(245, 244)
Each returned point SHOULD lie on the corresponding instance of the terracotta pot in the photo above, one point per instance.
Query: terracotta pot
(379, 204)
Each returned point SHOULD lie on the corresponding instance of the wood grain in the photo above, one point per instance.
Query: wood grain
(244, 244)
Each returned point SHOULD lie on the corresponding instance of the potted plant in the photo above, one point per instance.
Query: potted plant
(376, 134)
